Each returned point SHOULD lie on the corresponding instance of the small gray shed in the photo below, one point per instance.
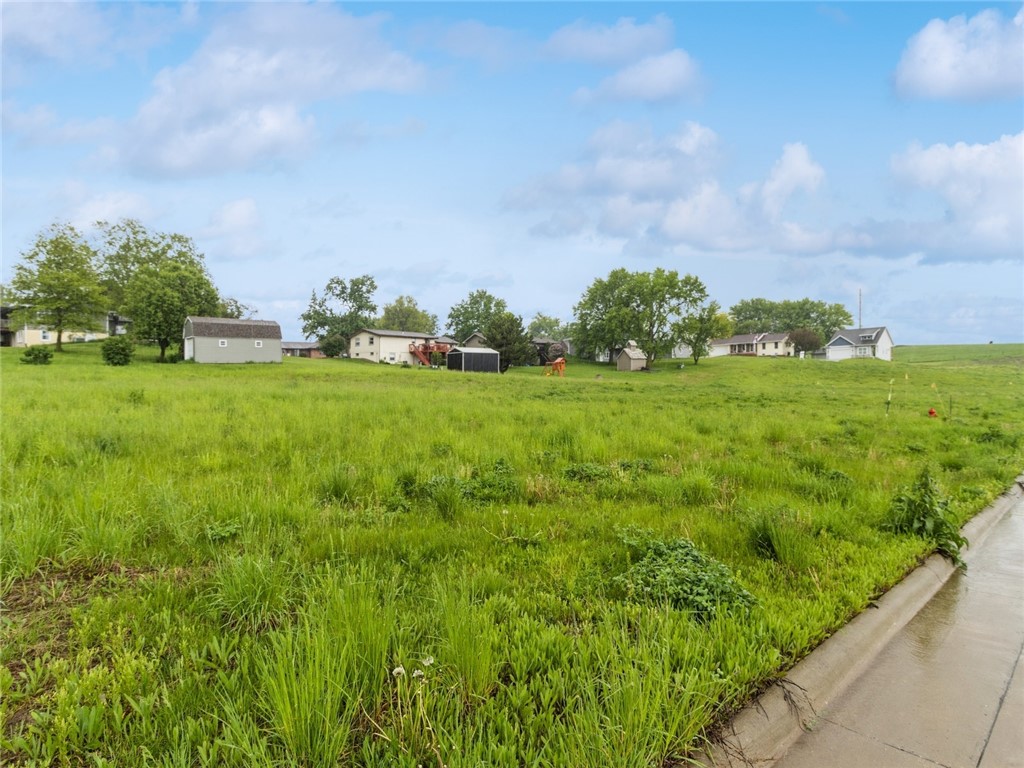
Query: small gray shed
(631, 358)
(227, 340)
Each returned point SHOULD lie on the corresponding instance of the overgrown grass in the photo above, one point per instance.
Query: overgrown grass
(229, 565)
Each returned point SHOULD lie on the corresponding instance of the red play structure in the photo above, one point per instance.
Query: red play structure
(423, 351)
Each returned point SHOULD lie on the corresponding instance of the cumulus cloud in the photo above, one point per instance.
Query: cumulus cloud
(85, 206)
(239, 226)
(625, 159)
(238, 102)
(660, 78)
(982, 189)
(794, 171)
(40, 125)
(624, 41)
(965, 59)
(62, 32)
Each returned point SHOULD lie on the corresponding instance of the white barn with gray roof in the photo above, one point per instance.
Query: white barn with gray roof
(227, 340)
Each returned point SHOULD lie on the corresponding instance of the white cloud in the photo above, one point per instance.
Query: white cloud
(239, 225)
(659, 78)
(495, 47)
(40, 125)
(626, 159)
(62, 32)
(794, 171)
(84, 206)
(965, 59)
(982, 187)
(602, 44)
(239, 100)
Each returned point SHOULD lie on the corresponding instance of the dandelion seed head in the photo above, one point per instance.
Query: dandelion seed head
(398, 671)
(418, 673)
(428, 661)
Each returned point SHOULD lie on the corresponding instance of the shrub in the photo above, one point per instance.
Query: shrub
(923, 511)
(678, 573)
(118, 350)
(37, 356)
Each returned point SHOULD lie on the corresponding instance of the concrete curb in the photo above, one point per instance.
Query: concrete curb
(764, 730)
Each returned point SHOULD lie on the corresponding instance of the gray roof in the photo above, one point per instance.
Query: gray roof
(231, 328)
(853, 335)
(474, 350)
(300, 345)
(400, 334)
(632, 353)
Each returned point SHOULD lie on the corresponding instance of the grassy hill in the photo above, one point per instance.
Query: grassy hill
(330, 562)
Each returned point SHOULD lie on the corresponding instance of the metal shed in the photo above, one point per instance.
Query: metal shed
(226, 340)
(480, 359)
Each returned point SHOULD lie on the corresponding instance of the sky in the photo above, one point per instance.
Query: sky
(870, 154)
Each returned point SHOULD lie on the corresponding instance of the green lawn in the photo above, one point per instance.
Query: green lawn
(335, 563)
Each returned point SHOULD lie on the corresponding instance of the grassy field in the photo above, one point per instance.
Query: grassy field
(335, 563)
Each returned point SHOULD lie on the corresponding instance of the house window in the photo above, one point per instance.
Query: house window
(371, 340)
(763, 345)
(391, 357)
(222, 343)
(259, 343)
(776, 345)
(44, 335)
(358, 342)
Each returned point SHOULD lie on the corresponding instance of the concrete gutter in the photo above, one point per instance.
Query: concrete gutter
(764, 730)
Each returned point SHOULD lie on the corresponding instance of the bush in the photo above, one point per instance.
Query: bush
(923, 511)
(677, 573)
(118, 350)
(37, 356)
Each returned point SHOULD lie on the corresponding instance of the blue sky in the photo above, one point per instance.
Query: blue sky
(775, 150)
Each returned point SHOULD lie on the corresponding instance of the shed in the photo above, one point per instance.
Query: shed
(475, 339)
(480, 359)
(227, 340)
(302, 349)
(631, 358)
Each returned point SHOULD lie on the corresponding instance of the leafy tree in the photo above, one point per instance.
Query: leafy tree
(230, 307)
(545, 326)
(127, 246)
(762, 315)
(345, 307)
(698, 329)
(161, 295)
(643, 306)
(805, 339)
(58, 283)
(474, 313)
(403, 314)
(506, 334)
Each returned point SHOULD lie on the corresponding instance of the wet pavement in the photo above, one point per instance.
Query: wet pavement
(948, 689)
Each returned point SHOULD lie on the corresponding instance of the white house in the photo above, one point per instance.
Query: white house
(753, 345)
(227, 340)
(860, 342)
(382, 346)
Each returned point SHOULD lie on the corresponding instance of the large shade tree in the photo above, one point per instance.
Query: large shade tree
(643, 306)
(474, 313)
(547, 327)
(764, 316)
(57, 283)
(404, 314)
(340, 312)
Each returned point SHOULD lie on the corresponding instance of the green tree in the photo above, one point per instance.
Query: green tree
(474, 313)
(696, 330)
(229, 307)
(764, 316)
(545, 326)
(57, 283)
(643, 306)
(127, 246)
(403, 314)
(161, 295)
(805, 339)
(506, 333)
(337, 315)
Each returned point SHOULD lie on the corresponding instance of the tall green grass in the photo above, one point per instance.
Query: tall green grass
(229, 565)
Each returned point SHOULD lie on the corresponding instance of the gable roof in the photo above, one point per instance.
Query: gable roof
(857, 336)
(396, 334)
(232, 328)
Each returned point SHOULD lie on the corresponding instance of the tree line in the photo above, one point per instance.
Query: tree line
(67, 281)
(660, 310)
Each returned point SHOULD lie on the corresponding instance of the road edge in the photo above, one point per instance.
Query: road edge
(762, 732)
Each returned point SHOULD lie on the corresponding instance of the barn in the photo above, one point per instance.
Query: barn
(479, 359)
(227, 340)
